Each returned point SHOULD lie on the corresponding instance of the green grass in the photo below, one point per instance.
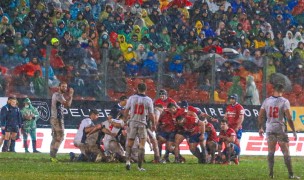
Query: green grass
(37, 166)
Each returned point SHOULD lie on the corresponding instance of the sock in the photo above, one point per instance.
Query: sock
(141, 156)
(128, 153)
(12, 146)
(287, 161)
(271, 162)
(53, 153)
(5, 144)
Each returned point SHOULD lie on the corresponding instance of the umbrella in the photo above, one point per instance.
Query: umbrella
(179, 3)
(250, 66)
(278, 78)
(219, 60)
(234, 63)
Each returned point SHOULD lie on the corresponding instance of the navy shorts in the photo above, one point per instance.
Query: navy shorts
(236, 149)
(2, 132)
(239, 133)
(14, 129)
(169, 136)
(192, 138)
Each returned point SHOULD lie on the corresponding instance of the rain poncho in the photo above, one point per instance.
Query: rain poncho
(252, 94)
(29, 124)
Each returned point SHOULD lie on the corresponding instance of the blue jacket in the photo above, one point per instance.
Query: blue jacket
(10, 116)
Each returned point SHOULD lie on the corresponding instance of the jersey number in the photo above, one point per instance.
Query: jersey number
(139, 109)
(274, 112)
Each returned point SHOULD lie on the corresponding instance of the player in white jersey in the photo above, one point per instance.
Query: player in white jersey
(138, 107)
(112, 146)
(276, 108)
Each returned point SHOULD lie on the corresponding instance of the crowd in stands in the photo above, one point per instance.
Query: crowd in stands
(98, 43)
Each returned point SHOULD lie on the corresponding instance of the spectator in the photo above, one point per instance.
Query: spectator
(30, 115)
(149, 67)
(176, 64)
(38, 84)
(132, 68)
(236, 88)
(289, 42)
(252, 94)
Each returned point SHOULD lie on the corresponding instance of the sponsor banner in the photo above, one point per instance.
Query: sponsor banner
(251, 144)
(80, 110)
(298, 118)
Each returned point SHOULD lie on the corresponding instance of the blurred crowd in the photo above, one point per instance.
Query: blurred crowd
(96, 43)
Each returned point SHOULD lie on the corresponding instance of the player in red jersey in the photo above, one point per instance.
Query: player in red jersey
(163, 99)
(184, 104)
(212, 141)
(232, 146)
(193, 130)
(166, 131)
(235, 115)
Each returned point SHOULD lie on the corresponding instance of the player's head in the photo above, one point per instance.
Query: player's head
(123, 100)
(184, 104)
(279, 88)
(180, 120)
(172, 107)
(94, 114)
(208, 127)
(63, 87)
(224, 125)
(163, 95)
(233, 98)
(141, 87)
(12, 101)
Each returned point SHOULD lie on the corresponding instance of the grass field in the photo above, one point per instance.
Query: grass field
(37, 166)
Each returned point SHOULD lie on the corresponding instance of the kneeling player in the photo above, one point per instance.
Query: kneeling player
(232, 147)
(112, 146)
(212, 141)
(88, 136)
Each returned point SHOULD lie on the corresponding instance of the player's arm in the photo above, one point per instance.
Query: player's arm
(107, 131)
(115, 124)
(91, 129)
(290, 122)
(152, 119)
(67, 103)
(231, 138)
(202, 129)
(261, 118)
(240, 120)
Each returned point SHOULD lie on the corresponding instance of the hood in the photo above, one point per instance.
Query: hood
(27, 100)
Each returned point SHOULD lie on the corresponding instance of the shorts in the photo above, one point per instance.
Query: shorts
(2, 131)
(137, 130)
(192, 138)
(239, 134)
(169, 136)
(14, 129)
(277, 137)
(236, 149)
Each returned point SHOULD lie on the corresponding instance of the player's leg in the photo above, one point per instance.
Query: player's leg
(212, 147)
(142, 135)
(284, 145)
(178, 140)
(2, 137)
(154, 145)
(57, 137)
(7, 137)
(131, 134)
(272, 142)
(13, 139)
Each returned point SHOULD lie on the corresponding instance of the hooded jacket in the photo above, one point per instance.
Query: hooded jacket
(29, 124)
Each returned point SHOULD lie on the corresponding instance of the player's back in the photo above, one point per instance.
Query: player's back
(140, 106)
(275, 110)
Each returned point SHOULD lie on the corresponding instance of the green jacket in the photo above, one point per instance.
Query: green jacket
(29, 124)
